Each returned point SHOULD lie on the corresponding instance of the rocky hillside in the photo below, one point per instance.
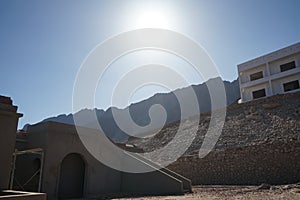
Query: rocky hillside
(140, 111)
(267, 120)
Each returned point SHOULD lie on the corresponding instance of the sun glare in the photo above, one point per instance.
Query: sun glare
(152, 19)
(150, 16)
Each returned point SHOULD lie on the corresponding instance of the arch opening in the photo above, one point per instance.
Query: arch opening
(71, 180)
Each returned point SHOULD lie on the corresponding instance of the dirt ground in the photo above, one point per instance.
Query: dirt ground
(234, 193)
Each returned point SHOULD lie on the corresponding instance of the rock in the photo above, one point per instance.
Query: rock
(251, 117)
(287, 187)
(252, 109)
(296, 190)
(264, 186)
(271, 106)
(273, 188)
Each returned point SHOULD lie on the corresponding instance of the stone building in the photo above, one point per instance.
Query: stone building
(70, 171)
(275, 73)
(8, 125)
(51, 158)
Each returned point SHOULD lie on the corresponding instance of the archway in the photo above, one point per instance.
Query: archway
(71, 181)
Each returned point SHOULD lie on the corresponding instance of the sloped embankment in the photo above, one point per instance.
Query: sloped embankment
(260, 142)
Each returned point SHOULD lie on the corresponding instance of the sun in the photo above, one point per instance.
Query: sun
(152, 19)
(150, 16)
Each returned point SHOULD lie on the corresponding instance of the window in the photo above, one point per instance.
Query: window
(259, 93)
(256, 76)
(287, 66)
(293, 85)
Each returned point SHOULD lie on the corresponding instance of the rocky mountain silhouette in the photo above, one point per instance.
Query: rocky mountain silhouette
(139, 112)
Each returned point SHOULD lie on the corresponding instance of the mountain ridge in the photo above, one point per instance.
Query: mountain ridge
(139, 112)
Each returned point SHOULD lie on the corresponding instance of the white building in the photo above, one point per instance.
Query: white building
(275, 73)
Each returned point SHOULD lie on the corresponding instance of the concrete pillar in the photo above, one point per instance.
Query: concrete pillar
(8, 127)
(270, 92)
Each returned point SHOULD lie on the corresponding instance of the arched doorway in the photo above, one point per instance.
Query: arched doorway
(71, 181)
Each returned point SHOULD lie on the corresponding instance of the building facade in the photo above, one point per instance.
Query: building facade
(275, 73)
(69, 171)
(8, 125)
(9, 118)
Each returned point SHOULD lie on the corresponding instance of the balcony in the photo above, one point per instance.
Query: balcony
(271, 77)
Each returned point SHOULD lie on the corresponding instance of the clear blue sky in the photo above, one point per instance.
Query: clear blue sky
(43, 43)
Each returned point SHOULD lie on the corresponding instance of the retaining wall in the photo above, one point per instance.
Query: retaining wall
(276, 163)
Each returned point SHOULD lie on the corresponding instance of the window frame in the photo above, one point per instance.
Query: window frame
(287, 67)
(263, 89)
(290, 82)
(256, 73)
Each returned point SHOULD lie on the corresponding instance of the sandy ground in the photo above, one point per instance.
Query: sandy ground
(234, 193)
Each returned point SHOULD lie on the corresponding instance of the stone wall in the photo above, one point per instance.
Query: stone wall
(259, 143)
(275, 163)
(8, 126)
